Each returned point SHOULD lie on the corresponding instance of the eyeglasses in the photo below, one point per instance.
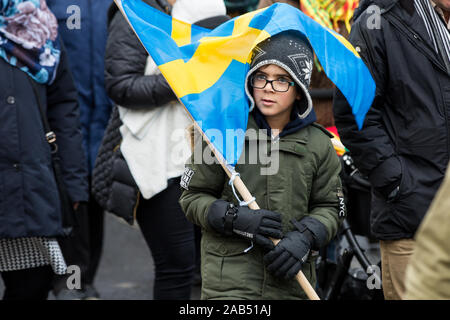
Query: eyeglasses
(260, 81)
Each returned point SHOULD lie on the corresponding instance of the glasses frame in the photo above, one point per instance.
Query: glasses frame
(252, 79)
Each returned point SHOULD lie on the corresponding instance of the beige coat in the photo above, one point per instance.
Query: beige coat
(428, 274)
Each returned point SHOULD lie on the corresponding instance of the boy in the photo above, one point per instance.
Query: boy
(299, 202)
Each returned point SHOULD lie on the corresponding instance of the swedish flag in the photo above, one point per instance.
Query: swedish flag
(207, 68)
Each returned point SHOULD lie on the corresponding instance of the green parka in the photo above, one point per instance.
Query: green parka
(306, 183)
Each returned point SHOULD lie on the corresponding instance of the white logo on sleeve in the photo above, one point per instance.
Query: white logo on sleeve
(186, 178)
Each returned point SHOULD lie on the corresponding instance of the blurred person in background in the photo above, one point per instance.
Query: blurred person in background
(137, 87)
(239, 7)
(38, 101)
(403, 146)
(428, 273)
(266, 3)
(83, 29)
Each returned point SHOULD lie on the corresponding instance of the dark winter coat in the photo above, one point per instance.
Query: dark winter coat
(86, 50)
(113, 186)
(405, 141)
(29, 200)
(125, 60)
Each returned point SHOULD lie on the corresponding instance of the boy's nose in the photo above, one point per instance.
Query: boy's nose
(269, 87)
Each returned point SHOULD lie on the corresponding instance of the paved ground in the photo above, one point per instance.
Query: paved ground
(126, 267)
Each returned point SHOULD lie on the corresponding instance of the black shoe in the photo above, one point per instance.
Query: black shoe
(90, 292)
(67, 294)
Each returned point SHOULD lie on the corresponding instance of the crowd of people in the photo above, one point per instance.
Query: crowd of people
(78, 94)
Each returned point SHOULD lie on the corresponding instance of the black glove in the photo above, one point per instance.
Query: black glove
(287, 258)
(255, 225)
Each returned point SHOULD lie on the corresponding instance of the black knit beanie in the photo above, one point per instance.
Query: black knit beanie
(291, 51)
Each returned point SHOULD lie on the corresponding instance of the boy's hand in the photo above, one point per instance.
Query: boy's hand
(254, 225)
(287, 258)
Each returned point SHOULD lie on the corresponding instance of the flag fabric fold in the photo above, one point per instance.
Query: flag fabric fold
(207, 68)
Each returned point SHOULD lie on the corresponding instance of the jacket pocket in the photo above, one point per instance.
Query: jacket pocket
(408, 203)
(294, 147)
(405, 182)
(386, 173)
(225, 266)
(225, 246)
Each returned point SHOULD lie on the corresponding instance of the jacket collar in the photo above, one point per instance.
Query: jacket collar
(404, 9)
(407, 13)
(411, 17)
(300, 136)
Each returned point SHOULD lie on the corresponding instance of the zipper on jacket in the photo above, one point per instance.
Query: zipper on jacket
(414, 38)
(368, 50)
(136, 205)
(446, 120)
(417, 38)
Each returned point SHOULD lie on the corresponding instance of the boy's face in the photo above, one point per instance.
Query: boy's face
(272, 103)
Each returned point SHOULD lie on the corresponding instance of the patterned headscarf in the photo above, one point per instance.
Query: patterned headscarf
(29, 38)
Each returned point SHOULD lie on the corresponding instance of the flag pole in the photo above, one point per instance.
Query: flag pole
(247, 196)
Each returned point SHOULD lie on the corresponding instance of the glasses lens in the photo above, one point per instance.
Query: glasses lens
(258, 82)
(280, 85)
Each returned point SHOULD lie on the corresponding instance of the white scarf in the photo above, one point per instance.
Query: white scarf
(191, 11)
(154, 142)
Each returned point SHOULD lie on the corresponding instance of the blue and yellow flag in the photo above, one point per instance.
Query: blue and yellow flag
(207, 68)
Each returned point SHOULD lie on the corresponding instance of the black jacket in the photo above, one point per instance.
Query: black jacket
(405, 140)
(125, 59)
(29, 200)
(113, 186)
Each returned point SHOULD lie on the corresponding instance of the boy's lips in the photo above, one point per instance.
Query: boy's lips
(267, 102)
